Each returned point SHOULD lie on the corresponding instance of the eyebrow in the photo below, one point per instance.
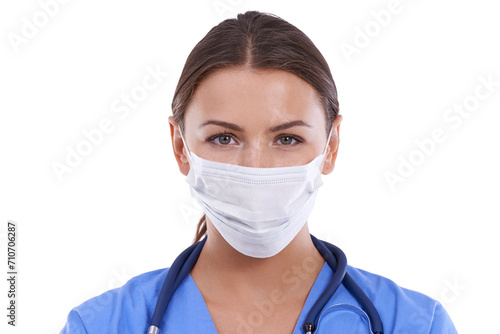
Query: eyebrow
(276, 128)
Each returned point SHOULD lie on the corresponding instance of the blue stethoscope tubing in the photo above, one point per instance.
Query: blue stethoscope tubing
(333, 255)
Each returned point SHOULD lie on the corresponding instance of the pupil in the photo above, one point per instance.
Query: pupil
(285, 140)
(223, 139)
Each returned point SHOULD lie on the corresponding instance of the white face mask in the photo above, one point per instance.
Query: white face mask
(258, 211)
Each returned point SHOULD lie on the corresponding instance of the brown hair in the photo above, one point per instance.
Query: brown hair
(256, 40)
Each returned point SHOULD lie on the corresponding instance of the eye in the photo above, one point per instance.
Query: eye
(224, 139)
(289, 140)
(221, 138)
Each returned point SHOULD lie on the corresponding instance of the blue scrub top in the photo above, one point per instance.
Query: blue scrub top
(128, 309)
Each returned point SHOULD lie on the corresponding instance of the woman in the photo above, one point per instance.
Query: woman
(255, 124)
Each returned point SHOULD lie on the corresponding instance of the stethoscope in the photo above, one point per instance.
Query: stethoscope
(333, 255)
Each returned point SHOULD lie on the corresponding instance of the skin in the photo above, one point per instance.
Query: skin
(255, 100)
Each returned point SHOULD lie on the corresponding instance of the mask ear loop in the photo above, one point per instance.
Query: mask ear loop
(328, 140)
(326, 146)
(187, 148)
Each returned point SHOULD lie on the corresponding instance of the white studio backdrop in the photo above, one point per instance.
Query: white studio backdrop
(414, 196)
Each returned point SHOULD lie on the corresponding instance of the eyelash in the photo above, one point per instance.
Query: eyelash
(218, 134)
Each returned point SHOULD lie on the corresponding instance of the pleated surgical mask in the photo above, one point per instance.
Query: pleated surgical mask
(258, 211)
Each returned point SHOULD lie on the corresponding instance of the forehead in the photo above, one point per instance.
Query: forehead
(256, 95)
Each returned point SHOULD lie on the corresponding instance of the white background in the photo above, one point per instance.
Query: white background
(126, 209)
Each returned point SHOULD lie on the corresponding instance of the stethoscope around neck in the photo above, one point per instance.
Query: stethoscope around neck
(333, 255)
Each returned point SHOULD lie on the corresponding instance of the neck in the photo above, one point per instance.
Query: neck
(298, 264)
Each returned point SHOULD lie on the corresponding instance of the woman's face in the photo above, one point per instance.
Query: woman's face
(255, 118)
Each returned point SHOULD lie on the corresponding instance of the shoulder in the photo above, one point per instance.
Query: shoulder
(111, 309)
(380, 286)
(403, 310)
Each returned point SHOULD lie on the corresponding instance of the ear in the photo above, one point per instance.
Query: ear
(333, 147)
(178, 146)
